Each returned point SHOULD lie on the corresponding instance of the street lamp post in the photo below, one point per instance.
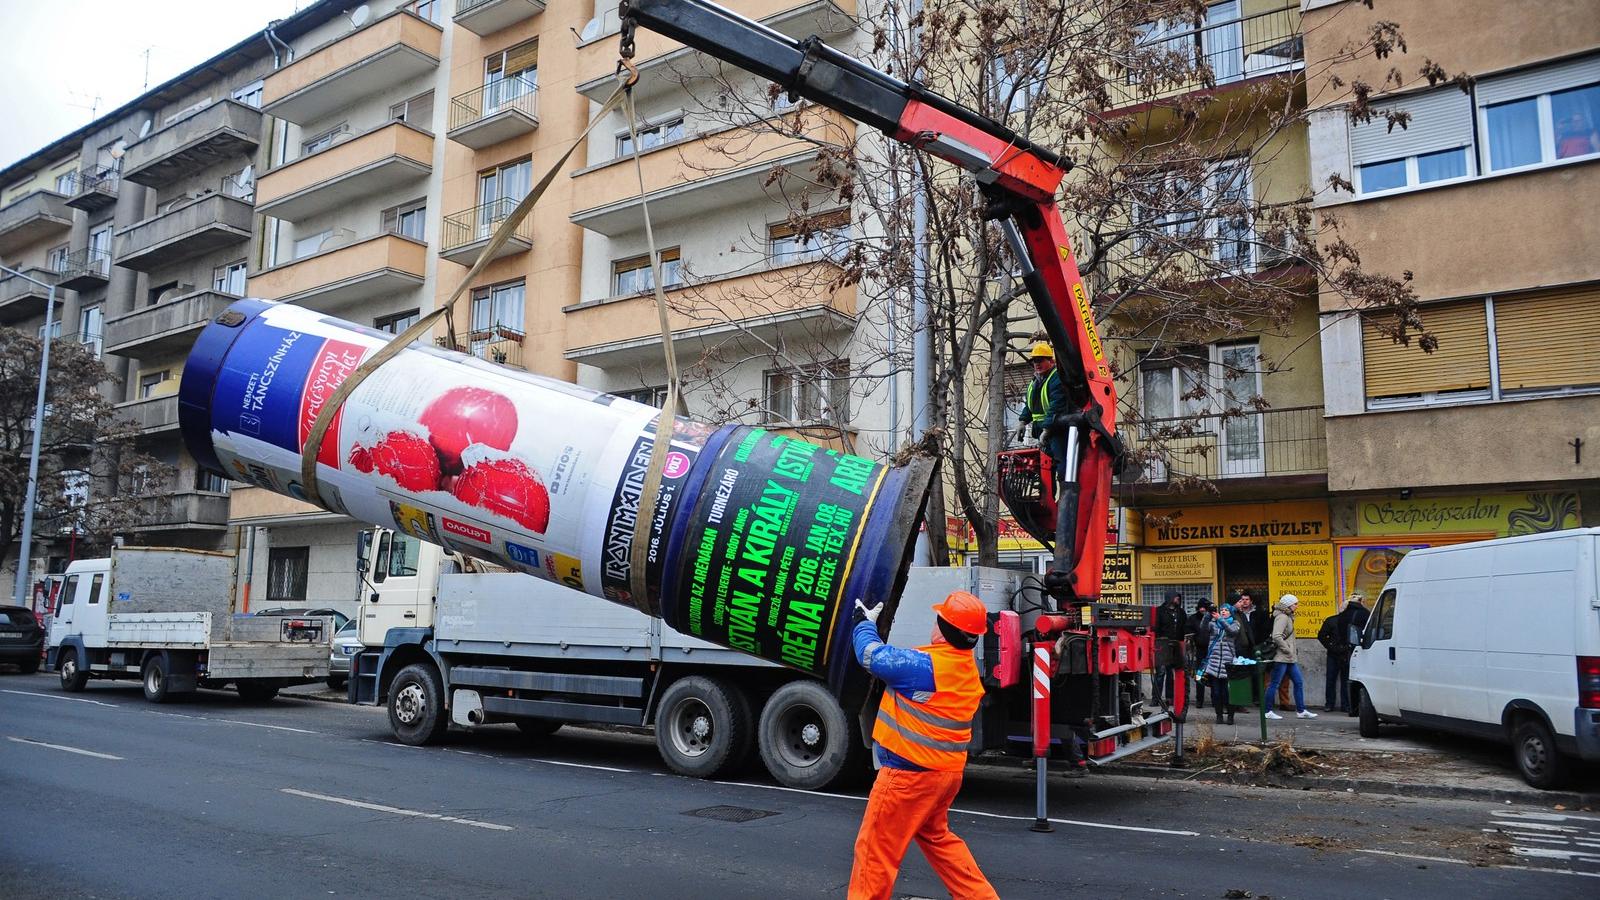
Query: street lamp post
(38, 429)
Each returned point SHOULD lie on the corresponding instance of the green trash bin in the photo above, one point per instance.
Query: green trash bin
(1242, 685)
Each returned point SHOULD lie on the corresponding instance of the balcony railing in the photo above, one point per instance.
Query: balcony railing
(22, 298)
(1246, 444)
(517, 94)
(151, 414)
(1266, 43)
(85, 268)
(468, 228)
(95, 188)
(497, 343)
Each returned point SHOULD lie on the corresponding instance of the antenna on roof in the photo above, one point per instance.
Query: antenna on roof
(360, 15)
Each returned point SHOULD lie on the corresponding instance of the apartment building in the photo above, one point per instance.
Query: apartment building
(1486, 197)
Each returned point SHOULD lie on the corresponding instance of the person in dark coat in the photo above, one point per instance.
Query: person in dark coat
(1259, 617)
(1198, 626)
(1170, 627)
(1356, 615)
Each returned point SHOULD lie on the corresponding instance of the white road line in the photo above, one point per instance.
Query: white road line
(1465, 862)
(60, 697)
(397, 811)
(1532, 826)
(76, 750)
(390, 744)
(574, 765)
(1545, 853)
(260, 725)
(973, 812)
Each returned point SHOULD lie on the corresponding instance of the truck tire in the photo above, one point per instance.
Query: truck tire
(703, 727)
(1369, 716)
(807, 741)
(255, 691)
(336, 682)
(416, 705)
(539, 728)
(72, 678)
(155, 679)
(1540, 763)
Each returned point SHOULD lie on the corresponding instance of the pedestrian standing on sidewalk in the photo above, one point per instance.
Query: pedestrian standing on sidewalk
(1170, 629)
(1286, 659)
(1355, 622)
(1224, 631)
(1199, 630)
(1334, 636)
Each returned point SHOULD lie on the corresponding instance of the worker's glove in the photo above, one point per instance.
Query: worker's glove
(868, 613)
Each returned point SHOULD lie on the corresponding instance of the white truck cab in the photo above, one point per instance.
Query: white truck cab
(81, 603)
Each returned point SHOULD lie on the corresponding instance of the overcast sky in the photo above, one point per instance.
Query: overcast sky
(63, 57)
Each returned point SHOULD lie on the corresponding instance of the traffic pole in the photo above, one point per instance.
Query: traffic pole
(1041, 735)
(1180, 711)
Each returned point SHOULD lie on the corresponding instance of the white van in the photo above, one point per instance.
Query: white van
(1499, 639)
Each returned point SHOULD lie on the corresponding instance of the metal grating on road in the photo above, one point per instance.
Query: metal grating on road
(730, 813)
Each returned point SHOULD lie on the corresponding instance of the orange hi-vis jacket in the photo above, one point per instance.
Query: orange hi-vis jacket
(933, 728)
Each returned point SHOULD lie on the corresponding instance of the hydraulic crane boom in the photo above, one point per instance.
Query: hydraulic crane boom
(1019, 181)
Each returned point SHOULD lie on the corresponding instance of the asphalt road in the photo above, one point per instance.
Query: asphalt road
(103, 795)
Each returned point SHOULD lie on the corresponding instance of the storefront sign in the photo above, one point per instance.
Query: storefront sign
(1117, 585)
(1237, 523)
(1178, 567)
(1499, 514)
(1306, 571)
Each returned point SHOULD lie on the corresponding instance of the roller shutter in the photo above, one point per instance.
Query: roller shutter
(1460, 363)
(1548, 340)
(1440, 120)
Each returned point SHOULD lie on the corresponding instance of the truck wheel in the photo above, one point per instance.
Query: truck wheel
(256, 692)
(155, 680)
(703, 727)
(807, 741)
(1541, 764)
(539, 728)
(1369, 716)
(336, 682)
(416, 705)
(72, 679)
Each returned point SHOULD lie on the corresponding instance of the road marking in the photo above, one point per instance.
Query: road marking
(397, 811)
(260, 725)
(574, 765)
(76, 750)
(59, 697)
(1547, 853)
(1467, 862)
(390, 744)
(973, 812)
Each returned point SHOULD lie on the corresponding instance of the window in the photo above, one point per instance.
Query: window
(1197, 380)
(1433, 146)
(827, 235)
(496, 314)
(287, 568)
(205, 480)
(510, 182)
(649, 396)
(100, 243)
(416, 112)
(75, 488)
(651, 136)
(394, 324)
(1014, 386)
(55, 330)
(426, 9)
(1542, 115)
(56, 259)
(69, 590)
(633, 275)
(818, 393)
(1212, 214)
(109, 157)
(324, 140)
(91, 325)
(229, 279)
(250, 94)
(407, 219)
(509, 76)
(397, 556)
(65, 182)
(95, 584)
(1380, 627)
(1015, 84)
(1217, 43)
(150, 383)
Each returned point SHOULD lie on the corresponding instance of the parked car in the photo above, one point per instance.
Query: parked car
(21, 638)
(339, 618)
(345, 645)
(1499, 639)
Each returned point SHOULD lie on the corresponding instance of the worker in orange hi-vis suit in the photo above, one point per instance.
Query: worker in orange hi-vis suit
(923, 729)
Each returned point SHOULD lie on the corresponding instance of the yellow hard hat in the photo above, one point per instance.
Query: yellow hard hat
(1042, 350)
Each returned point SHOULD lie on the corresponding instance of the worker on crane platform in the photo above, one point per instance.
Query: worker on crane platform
(1046, 397)
(920, 740)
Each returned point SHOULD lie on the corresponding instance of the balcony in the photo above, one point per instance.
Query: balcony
(498, 344)
(393, 49)
(337, 278)
(182, 510)
(663, 62)
(466, 233)
(678, 189)
(485, 17)
(788, 303)
(221, 132)
(189, 228)
(21, 299)
(166, 328)
(86, 269)
(1278, 444)
(498, 111)
(370, 165)
(94, 189)
(151, 415)
(32, 219)
(1217, 56)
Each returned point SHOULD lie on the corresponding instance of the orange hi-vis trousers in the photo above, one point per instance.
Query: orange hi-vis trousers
(905, 805)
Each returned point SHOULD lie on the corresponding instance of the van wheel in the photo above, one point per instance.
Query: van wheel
(416, 705)
(1369, 717)
(72, 679)
(155, 680)
(806, 740)
(1541, 764)
(703, 727)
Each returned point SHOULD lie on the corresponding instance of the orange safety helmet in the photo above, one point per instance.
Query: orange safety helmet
(964, 611)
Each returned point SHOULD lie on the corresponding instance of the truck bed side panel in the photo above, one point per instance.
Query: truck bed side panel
(166, 631)
(260, 660)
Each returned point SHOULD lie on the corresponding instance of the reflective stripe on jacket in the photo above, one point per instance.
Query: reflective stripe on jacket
(1039, 390)
(932, 729)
